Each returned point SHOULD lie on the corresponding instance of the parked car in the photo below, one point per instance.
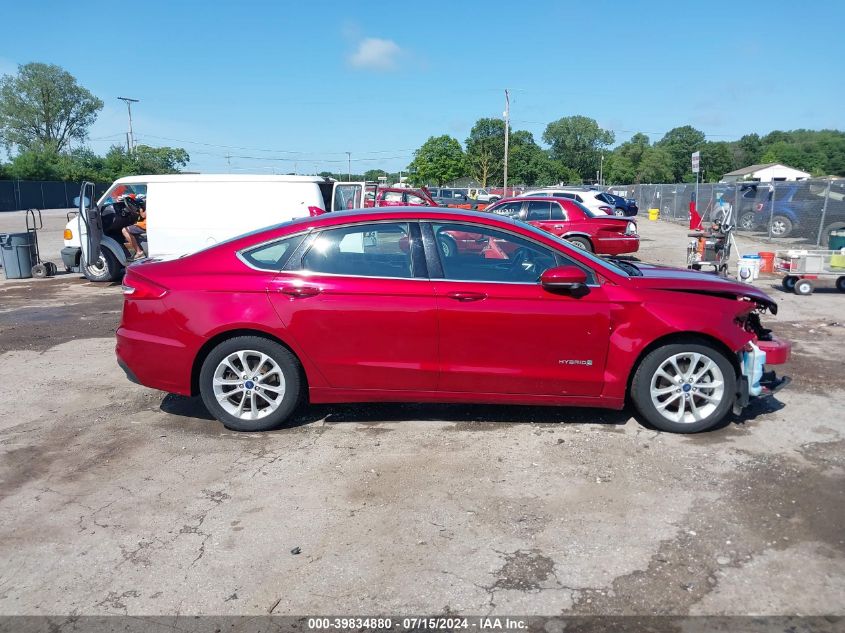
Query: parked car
(188, 212)
(482, 195)
(454, 198)
(795, 209)
(363, 306)
(397, 197)
(566, 218)
(622, 207)
(588, 197)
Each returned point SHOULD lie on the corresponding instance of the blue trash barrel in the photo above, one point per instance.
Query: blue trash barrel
(17, 251)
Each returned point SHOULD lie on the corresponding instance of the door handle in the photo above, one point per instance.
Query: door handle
(558, 227)
(300, 291)
(466, 296)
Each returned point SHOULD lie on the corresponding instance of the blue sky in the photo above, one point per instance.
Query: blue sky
(301, 83)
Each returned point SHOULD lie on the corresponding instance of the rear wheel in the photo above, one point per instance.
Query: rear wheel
(834, 226)
(840, 284)
(580, 242)
(106, 268)
(619, 212)
(684, 387)
(448, 246)
(250, 383)
(803, 287)
(789, 282)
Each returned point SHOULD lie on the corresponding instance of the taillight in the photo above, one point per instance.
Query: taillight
(140, 288)
(68, 234)
(631, 229)
(315, 211)
(759, 206)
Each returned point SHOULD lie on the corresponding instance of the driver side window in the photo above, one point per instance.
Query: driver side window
(476, 253)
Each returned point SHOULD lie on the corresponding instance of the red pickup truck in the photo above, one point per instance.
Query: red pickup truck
(397, 197)
(566, 218)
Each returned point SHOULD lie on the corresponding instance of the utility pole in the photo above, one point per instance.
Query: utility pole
(507, 115)
(131, 138)
(601, 171)
(349, 165)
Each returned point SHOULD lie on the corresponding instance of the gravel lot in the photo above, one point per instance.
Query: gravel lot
(116, 499)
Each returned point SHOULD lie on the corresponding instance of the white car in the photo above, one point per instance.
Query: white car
(588, 197)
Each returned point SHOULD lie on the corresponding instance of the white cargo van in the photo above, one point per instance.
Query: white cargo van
(188, 212)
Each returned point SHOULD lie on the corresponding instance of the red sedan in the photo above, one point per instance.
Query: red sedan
(365, 306)
(602, 234)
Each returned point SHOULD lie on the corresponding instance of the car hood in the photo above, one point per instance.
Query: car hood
(695, 282)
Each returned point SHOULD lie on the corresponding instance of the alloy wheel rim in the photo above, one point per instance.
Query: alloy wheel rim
(248, 384)
(687, 387)
(98, 266)
(778, 228)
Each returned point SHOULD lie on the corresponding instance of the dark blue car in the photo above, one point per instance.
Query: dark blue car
(623, 207)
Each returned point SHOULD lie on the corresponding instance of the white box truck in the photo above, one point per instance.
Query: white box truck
(188, 212)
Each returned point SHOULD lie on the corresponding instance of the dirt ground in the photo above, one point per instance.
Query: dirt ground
(116, 499)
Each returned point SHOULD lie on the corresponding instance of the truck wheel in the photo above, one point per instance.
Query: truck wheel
(781, 226)
(788, 282)
(803, 287)
(250, 383)
(747, 221)
(106, 268)
(684, 387)
(580, 242)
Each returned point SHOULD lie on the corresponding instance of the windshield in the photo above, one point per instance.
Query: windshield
(609, 265)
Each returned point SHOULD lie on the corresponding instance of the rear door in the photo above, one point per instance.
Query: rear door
(553, 220)
(358, 299)
(348, 195)
(90, 225)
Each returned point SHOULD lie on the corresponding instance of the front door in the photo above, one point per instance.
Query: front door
(502, 332)
(90, 225)
(359, 300)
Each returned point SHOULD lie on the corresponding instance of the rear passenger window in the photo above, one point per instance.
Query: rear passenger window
(538, 210)
(557, 212)
(371, 250)
(271, 256)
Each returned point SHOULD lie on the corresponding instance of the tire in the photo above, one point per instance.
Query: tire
(803, 287)
(580, 242)
(833, 226)
(747, 221)
(672, 418)
(781, 226)
(282, 382)
(619, 213)
(39, 271)
(448, 246)
(840, 284)
(106, 268)
(788, 282)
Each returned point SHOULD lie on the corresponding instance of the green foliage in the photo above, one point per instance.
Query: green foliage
(43, 107)
(578, 142)
(486, 151)
(655, 166)
(439, 160)
(681, 142)
(716, 160)
(38, 163)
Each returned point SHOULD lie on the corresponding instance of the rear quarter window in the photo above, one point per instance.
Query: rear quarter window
(272, 256)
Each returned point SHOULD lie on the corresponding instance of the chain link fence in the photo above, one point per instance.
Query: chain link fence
(16, 195)
(802, 212)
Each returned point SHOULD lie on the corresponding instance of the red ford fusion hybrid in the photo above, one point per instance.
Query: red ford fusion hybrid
(368, 305)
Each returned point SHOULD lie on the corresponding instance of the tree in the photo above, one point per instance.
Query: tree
(655, 166)
(748, 150)
(143, 160)
(372, 175)
(44, 106)
(578, 141)
(486, 151)
(681, 142)
(38, 163)
(439, 160)
(716, 160)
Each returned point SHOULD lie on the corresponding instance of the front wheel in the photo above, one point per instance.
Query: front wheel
(106, 268)
(250, 383)
(840, 284)
(803, 287)
(747, 221)
(684, 387)
(781, 226)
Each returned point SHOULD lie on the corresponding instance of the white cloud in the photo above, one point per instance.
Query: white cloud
(374, 53)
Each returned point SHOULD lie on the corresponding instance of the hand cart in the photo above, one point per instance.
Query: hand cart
(34, 223)
(802, 267)
(709, 248)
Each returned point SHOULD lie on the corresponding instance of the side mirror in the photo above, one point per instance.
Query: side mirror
(564, 278)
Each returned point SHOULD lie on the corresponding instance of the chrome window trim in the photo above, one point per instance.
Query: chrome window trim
(240, 254)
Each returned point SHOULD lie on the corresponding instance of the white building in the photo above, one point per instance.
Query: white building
(769, 172)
